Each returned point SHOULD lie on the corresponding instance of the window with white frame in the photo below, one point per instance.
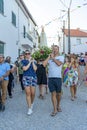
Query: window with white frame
(1, 47)
(13, 18)
(78, 41)
(1, 6)
(24, 31)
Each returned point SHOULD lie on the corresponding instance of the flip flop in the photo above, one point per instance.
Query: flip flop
(75, 96)
(72, 99)
(53, 113)
(40, 96)
(59, 109)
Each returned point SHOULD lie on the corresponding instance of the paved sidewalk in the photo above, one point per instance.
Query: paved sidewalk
(72, 117)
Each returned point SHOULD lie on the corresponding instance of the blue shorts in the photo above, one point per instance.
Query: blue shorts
(29, 81)
(55, 84)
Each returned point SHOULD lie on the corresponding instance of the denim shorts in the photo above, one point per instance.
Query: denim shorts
(55, 84)
(29, 81)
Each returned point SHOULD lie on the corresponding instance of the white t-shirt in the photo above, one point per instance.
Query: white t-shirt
(54, 71)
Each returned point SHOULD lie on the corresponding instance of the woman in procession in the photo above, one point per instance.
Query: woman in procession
(41, 78)
(71, 76)
(29, 79)
(20, 71)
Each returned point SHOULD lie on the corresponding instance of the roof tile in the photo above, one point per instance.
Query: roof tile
(75, 33)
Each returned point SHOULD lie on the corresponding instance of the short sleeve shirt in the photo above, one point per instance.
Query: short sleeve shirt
(4, 67)
(30, 71)
(55, 71)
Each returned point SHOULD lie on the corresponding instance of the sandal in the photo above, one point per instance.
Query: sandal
(59, 109)
(53, 113)
(75, 96)
(72, 99)
(40, 96)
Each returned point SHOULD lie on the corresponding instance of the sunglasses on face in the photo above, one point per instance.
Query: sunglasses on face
(27, 53)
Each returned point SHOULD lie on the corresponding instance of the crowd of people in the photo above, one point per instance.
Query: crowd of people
(50, 73)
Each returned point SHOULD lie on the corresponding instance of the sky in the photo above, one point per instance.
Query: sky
(52, 13)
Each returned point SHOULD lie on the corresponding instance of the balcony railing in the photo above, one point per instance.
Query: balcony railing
(29, 37)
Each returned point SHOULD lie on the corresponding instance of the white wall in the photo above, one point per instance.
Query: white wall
(9, 34)
(75, 47)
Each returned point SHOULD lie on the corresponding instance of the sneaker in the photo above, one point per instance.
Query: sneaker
(29, 111)
(0, 106)
(3, 107)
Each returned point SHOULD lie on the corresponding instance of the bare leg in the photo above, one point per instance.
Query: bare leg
(28, 96)
(46, 89)
(33, 90)
(54, 101)
(41, 91)
(75, 90)
(58, 96)
(72, 92)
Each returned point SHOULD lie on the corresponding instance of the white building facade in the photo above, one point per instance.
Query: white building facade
(78, 41)
(17, 28)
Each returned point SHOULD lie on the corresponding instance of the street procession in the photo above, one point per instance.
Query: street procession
(43, 66)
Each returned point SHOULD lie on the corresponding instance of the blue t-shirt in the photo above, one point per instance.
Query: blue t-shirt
(4, 67)
(30, 71)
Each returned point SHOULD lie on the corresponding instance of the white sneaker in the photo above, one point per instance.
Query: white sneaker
(30, 111)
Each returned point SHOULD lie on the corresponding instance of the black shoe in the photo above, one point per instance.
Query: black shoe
(22, 88)
(3, 107)
(10, 96)
(0, 106)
